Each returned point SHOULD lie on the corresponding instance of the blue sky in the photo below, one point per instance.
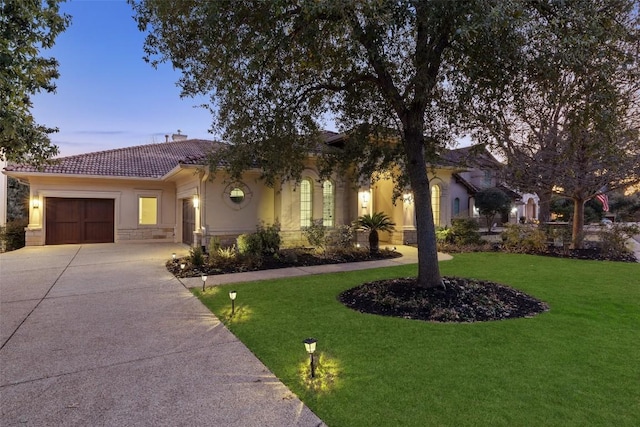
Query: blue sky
(107, 96)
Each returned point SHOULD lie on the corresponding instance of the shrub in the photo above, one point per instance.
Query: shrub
(613, 239)
(249, 244)
(341, 237)
(214, 244)
(316, 234)
(196, 256)
(444, 235)
(12, 235)
(269, 236)
(223, 258)
(464, 231)
(524, 239)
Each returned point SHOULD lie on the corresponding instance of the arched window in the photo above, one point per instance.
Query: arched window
(435, 204)
(306, 208)
(456, 206)
(328, 202)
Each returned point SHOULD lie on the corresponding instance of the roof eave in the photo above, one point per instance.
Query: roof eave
(16, 174)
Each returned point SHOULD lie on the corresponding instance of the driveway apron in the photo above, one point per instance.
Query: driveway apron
(104, 335)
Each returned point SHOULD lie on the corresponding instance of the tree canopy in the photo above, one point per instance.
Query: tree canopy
(569, 123)
(490, 202)
(26, 28)
(275, 69)
(392, 73)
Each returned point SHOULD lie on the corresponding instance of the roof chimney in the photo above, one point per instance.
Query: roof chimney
(178, 136)
(166, 138)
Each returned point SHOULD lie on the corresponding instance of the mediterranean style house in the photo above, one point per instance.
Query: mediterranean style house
(163, 192)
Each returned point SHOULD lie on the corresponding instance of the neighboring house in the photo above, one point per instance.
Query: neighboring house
(162, 192)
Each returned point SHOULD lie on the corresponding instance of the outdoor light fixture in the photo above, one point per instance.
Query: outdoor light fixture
(196, 202)
(232, 296)
(310, 346)
(35, 203)
(173, 256)
(204, 281)
(365, 196)
(182, 266)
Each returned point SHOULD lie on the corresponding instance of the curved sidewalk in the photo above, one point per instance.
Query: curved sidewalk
(104, 335)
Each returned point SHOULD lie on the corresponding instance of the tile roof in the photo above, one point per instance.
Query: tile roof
(143, 161)
(475, 156)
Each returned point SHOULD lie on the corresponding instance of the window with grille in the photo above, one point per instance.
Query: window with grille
(328, 202)
(435, 204)
(306, 205)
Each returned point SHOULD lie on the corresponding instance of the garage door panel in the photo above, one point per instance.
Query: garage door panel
(65, 233)
(79, 220)
(98, 211)
(98, 232)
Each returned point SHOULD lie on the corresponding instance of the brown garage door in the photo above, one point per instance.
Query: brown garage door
(79, 220)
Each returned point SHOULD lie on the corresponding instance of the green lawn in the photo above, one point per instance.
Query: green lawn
(577, 365)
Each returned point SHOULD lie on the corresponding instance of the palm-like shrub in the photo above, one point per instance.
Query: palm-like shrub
(378, 221)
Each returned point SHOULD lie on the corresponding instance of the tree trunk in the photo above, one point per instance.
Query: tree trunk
(428, 268)
(545, 205)
(374, 241)
(577, 235)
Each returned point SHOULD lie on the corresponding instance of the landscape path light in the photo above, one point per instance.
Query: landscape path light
(232, 296)
(310, 346)
(182, 266)
(173, 256)
(204, 281)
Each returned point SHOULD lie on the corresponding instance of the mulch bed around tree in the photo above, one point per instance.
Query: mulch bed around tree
(460, 300)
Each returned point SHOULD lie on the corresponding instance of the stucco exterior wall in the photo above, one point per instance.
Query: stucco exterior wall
(227, 219)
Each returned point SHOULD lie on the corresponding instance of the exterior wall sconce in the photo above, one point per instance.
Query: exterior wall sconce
(310, 346)
(365, 197)
(232, 297)
(196, 202)
(204, 281)
(35, 203)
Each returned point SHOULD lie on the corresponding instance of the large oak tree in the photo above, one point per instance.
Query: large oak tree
(381, 69)
(569, 123)
(26, 28)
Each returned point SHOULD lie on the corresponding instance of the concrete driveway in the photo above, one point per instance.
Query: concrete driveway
(104, 335)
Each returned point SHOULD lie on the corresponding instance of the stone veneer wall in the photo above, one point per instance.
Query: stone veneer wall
(163, 233)
(33, 237)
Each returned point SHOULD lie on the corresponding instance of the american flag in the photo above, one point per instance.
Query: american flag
(604, 200)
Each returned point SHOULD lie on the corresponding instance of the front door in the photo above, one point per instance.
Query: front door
(188, 221)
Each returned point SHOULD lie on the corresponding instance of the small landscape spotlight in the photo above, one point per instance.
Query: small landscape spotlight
(232, 296)
(182, 266)
(173, 256)
(204, 281)
(310, 346)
